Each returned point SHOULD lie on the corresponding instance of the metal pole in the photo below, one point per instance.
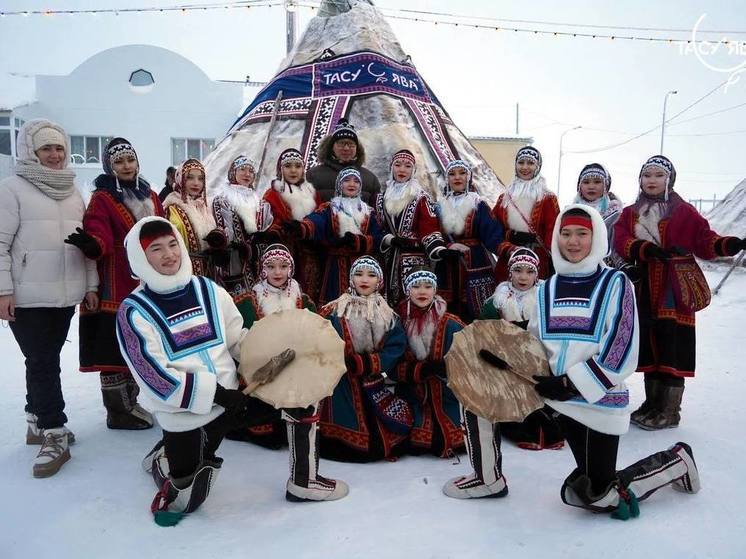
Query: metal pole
(290, 27)
(736, 263)
(559, 167)
(663, 121)
(516, 120)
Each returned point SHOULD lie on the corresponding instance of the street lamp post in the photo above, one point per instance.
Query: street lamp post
(559, 167)
(663, 120)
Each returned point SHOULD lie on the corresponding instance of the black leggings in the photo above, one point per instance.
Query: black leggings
(185, 450)
(595, 453)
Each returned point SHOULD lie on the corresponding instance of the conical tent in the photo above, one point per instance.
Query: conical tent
(349, 64)
(728, 217)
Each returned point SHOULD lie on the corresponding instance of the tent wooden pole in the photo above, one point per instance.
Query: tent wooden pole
(736, 263)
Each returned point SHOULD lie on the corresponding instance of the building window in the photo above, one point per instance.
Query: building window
(87, 149)
(186, 148)
(6, 134)
(141, 81)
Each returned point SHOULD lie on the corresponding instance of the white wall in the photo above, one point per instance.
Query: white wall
(6, 166)
(96, 100)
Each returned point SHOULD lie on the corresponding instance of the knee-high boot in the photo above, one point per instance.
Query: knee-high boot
(305, 483)
(482, 439)
(119, 392)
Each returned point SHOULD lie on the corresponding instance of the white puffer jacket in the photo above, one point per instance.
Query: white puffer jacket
(36, 266)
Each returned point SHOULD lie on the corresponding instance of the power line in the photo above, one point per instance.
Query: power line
(710, 114)
(654, 128)
(150, 9)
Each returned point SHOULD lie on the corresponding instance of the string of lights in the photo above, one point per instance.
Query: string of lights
(149, 9)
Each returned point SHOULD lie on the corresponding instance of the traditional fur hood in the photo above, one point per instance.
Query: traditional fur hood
(142, 269)
(599, 248)
(326, 156)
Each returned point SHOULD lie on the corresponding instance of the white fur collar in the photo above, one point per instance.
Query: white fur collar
(245, 202)
(301, 199)
(198, 212)
(523, 194)
(274, 299)
(398, 195)
(368, 319)
(351, 214)
(455, 209)
(514, 304)
(599, 246)
(142, 269)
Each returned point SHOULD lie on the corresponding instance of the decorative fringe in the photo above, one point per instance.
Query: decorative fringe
(629, 506)
(167, 518)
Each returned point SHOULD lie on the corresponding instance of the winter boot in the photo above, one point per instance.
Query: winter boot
(35, 435)
(673, 466)
(482, 440)
(667, 416)
(653, 385)
(577, 491)
(305, 483)
(180, 496)
(54, 452)
(119, 392)
(156, 464)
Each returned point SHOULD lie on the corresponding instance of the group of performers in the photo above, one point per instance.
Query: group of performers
(397, 278)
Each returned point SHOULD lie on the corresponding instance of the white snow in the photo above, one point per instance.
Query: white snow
(98, 504)
(728, 217)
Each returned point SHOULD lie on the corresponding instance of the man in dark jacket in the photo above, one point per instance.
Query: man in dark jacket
(339, 150)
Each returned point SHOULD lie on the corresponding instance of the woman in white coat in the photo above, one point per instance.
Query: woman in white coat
(42, 278)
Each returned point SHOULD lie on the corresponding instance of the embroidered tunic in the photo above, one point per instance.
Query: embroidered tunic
(589, 328)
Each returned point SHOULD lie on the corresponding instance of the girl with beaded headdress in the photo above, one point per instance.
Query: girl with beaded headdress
(121, 198)
(408, 217)
(363, 421)
(292, 198)
(660, 232)
(514, 300)
(346, 227)
(245, 219)
(465, 273)
(276, 290)
(421, 373)
(188, 210)
(527, 211)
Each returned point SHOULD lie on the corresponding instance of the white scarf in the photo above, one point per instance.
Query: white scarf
(245, 202)
(398, 195)
(454, 209)
(524, 194)
(301, 198)
(646, 227)
(514, 304)
(273, 299)
(198, 212)
(351, 214)
(368, 318)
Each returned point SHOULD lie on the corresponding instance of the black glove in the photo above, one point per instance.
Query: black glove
(216, 239)
(293, 229)
(351, 363)
(403, 242)
(522, 238)
(349, 239)
(220, 257)
(676, 251)
(493, 359)
(231, 400)
(555, 388)
(435, 368)
(449, 254)
(87, 244)
(652, 250)
(520, 323)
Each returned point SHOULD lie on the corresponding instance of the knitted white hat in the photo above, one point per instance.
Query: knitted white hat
(48, 136)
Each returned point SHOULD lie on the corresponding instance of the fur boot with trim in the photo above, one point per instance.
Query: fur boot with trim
(482, 439)
(119, 392)
(653, 386)
(180, 496)
(305, 483)
(667, 415)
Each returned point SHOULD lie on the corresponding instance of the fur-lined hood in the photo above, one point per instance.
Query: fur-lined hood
(326, 156)
(599, 247)
(142, 269)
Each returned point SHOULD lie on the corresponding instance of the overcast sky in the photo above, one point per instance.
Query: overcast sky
(478, 75)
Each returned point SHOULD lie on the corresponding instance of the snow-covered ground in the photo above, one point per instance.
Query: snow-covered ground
(98, 504)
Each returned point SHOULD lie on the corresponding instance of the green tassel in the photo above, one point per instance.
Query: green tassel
(167, 518)
(622, 510)
(634, 504)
